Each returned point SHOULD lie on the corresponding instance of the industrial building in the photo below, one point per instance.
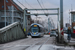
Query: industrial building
(73, 23)
(14, 13)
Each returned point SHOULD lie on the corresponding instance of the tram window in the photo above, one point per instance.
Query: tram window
(35, 30)
(74, 18)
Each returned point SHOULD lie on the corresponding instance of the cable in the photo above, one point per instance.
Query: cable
(28, 3)
(30, 6)
(47, 11)
(39, 3)
(21, 4)
(43, 4)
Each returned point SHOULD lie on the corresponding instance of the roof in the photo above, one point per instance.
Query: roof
(37, 24)
(73, 12)
(9, 3)
(17, 6)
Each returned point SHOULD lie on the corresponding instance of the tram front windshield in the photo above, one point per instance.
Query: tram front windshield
(34, 29)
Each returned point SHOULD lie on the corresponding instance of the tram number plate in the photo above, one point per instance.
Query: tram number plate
(34, 33)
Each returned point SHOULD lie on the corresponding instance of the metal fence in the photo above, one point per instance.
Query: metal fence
(11, 32)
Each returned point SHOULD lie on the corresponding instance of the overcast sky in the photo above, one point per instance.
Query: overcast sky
(67, 5)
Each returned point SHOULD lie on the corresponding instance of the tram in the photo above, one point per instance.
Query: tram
(36, 30)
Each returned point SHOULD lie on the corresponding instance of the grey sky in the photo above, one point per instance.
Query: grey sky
(50, 4)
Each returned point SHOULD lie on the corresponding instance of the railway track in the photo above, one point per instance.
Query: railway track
(40, 43)
(43, 44)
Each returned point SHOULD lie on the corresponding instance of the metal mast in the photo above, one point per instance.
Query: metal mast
(61, 19)
(5, 11)
(61, 14)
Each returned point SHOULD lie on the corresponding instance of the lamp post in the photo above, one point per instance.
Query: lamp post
(5, 11)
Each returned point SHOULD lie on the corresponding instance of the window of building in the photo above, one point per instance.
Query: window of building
(15, 8)
(9, 7)
(8, 13)
(2, 19)
(2, 6)
(74, 18)
(7, 1)
(2, 13)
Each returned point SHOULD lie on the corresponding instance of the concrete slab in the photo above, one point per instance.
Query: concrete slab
(44, 47)
(18, 47)
(72, 41)
(47, 47)
(50, 47)
(64, 49)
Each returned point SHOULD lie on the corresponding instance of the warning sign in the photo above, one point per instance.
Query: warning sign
(24, 29)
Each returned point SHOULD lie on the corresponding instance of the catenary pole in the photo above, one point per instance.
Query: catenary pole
(61, 19)
(25, 22)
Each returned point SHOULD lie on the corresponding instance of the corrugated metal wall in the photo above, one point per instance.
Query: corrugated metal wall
(11, 32)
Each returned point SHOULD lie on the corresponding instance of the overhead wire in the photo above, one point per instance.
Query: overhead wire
(47, 10)
(43, 4)
(40, 5)
(22, 4)
(30, 6)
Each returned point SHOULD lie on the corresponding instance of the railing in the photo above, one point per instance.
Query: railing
(11, 32)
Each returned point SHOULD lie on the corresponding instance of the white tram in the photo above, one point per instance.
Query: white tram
(36, 30)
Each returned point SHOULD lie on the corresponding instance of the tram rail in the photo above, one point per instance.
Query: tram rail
(38, 43)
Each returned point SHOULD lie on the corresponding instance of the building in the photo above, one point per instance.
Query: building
(14, 13)
(67, 25)
(72, 16)
(73, 23)
(73, 19)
